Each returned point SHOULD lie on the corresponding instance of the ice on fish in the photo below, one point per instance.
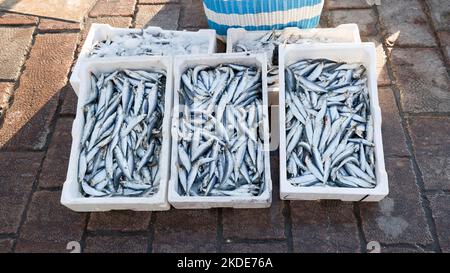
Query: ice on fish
(149, 42)
(268, 43)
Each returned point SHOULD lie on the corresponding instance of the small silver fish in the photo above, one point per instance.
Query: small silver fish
(223, 117)
(336, 145)
(122, 134)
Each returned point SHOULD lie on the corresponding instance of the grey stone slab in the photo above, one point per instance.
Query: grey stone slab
(14, 44)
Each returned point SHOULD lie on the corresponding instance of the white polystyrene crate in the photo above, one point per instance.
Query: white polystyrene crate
(345, 33)
(99, 32)
(71, 196)
(345, 52)
(264, 200)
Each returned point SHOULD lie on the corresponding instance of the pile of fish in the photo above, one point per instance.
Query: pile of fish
(329, 125)
(121, 140)
(268, 43)
(149, 42)
(220, 148)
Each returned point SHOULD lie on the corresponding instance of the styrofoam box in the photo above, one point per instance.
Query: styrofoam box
(181, 64)
(344, 52)
(99, 32)
(345, 33)
(71, 195)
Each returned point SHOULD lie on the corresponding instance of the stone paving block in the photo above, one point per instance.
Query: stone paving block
(365, 18)
(398, 218)
(48, 25)
(440, 206)
(15, 43)
(421, 89)
(6, 90)
(431, 143)
(119, 221)
(185, 231)
(26, 126)
(54, 169)
(440, 13)
(257, 223)
(69, 106)
(394, 141)
(49, 226)
(122, 22)
(164, 16)
(27, 122)
(382, 72)
(192, 15)
(14, 19)
(444, 37)
(18, 172)
(324, 21)
(63, 9)
(116, 244)
(6, 245)
(345, 4)
(113, 8)
(326, 226)
(273, 247)
(435, 167)
(405, 23)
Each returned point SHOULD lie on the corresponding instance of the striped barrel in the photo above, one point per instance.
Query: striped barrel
(262, 14)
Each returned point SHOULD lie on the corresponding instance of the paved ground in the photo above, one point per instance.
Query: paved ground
(63, 9)
(37, 54)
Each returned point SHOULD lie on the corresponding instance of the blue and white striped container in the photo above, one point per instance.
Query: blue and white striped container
(262, 14)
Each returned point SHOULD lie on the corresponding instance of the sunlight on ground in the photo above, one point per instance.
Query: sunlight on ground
(62, 9)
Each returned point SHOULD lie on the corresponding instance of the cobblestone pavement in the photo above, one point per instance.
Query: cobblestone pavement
(38, 105)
